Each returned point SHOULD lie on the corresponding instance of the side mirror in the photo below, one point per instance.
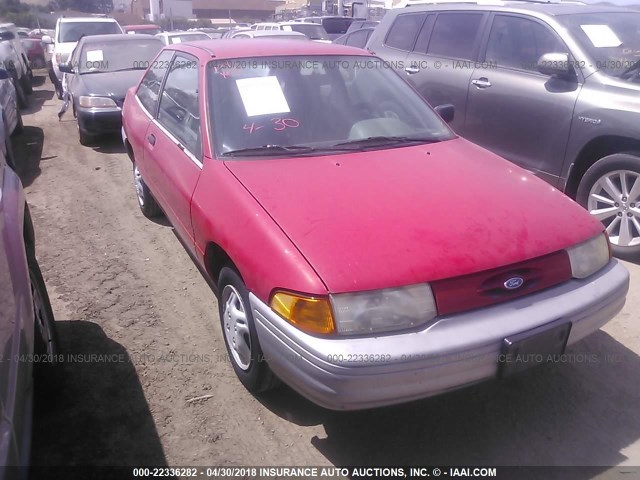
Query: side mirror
(4, 75)
(555, 65)
(47, 39)
(66, 68)
(447, 112)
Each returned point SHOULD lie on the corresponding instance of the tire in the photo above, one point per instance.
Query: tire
(26, 83)
(20, 125)
(86, 139)
(618, 204)
(146, 201)
(45, 333)
(11, 159)
(240, 335)
(23, 100)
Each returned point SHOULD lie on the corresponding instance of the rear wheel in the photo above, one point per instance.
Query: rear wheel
(20, 125)
(26, 83)
(240, 335)
(610, 191)
(45, 332)
(147, 203)
(23, 101)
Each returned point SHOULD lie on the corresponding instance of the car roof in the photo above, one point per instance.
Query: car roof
(145, 26)
(86, 19)
(221, 49)
(128, 37)
(552, 9)
(188, 32)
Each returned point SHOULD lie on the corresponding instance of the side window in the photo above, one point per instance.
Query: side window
(404, 31)
(454, 35)
(179, 111)
(150, 86)
(358, 38)
(518, 42)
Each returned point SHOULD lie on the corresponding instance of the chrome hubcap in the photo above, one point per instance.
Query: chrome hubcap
(236, 328)
(137, 180)
(615, 200)
(40, 315)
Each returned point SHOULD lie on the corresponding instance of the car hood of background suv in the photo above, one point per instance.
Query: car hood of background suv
(407, 215)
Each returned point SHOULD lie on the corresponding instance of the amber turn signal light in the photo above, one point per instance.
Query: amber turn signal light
(310, 314)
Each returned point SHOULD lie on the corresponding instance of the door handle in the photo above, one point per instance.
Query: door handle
(482, 82)
(151, 138)
(411, 69)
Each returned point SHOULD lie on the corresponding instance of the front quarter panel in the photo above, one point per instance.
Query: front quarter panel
(225, 213)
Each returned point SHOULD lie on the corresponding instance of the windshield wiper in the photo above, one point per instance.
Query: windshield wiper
(382, 141)
(269, 150)
(633, 67)
(92, 71)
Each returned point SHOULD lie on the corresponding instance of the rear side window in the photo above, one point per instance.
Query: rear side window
(358, 38)
(454, 35)
(152, 81)
(518, 43)
(404, 31)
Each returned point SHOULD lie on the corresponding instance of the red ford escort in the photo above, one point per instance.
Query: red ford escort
(361, 251)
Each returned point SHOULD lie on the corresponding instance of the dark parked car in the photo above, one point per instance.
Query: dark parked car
(28, 339)
(101, 70)
(555, 88)
(357, 38)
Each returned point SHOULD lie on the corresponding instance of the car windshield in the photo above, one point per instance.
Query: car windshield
(292, 104)
(311, 30)
(188, 37)
(146, 31)
(611, 39)
(72, 31)
(118, 55)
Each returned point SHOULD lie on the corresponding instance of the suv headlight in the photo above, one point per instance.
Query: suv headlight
(588, 257)
(96, 102)
(384, 310)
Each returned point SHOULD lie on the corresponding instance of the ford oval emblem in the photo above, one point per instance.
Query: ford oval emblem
(513, 283)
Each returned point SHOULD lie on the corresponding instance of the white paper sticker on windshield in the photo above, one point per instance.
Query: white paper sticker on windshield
(176, 40)
(94, 56)
(601, 36)
(262, 96)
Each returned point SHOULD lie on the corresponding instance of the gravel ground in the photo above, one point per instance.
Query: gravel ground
(140, 333)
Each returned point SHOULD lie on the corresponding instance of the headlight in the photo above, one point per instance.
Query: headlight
(96, 102)
(588, 257)
(383, 310)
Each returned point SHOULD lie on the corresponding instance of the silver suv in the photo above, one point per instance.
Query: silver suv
(554, 88)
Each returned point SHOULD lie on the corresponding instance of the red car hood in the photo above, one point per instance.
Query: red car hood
(407, 215)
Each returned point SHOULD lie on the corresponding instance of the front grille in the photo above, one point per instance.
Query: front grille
(486, 288)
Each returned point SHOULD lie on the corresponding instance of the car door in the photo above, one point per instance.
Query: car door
(441, 63)
(513, 109)
(174, 143)
(140, 113)
(401, 39)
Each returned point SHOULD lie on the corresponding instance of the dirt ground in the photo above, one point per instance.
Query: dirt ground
(140, 333)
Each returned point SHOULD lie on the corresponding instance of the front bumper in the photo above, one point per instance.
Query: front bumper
(454, 351)
(95, 121)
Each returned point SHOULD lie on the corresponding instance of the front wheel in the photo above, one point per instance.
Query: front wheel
(610, 191)
(240, 335)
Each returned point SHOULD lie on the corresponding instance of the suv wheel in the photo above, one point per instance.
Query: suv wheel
(610, 191)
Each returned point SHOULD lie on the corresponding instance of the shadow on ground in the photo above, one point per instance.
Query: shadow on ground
(581, 412)
(37, 99)
(100, 416)
(27, 150)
